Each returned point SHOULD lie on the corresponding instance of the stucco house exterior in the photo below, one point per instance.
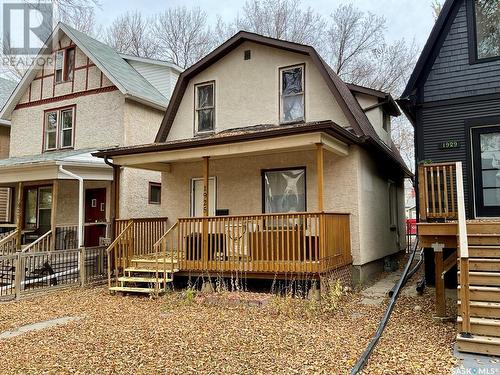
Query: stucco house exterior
(85, 96)
(272, 166)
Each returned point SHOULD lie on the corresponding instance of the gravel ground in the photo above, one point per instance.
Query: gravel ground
(180, 335)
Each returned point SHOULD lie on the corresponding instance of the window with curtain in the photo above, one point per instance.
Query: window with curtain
(487, 15)
(205, 107)
(284, 190)
(292, 94)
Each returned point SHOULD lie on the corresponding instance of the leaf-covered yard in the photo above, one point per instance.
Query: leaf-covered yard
(216, 335)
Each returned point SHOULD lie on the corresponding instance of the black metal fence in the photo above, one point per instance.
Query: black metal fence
(24, 273)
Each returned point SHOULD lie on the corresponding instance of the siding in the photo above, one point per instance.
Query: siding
(447, 122)
(451, 75)
(161, 77)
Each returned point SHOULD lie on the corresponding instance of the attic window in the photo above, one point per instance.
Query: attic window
(292, 94)
(205, 107)
(248, 54)
(487, 24)
(65, 65)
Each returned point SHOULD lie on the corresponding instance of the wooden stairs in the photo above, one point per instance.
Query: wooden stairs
(484, 291)
(147, 275)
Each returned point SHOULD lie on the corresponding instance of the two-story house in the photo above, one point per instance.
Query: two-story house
(272, 167)
(6, 88)
(453, 100)
(79, 97)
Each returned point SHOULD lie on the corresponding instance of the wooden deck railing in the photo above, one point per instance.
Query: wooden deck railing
(136, 238)
(463, 251)
(270, 243)
(43, 243)
(8, 243)
(437, 191)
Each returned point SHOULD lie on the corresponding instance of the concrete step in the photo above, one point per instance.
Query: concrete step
(483, 293)
(484, 264)
(487, 345)
(484, 251)
(481, 309)
(482, 326)
(135, 279)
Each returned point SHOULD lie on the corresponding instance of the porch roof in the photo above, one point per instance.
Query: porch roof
(46, 166)
(265, 137)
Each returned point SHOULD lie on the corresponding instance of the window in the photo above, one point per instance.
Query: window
(487, 28)
(69, 64)
(205, 107)
(65, 65)
(38, 207)
(284, 190)
(154, 193)
(59, 125)
(292, 94)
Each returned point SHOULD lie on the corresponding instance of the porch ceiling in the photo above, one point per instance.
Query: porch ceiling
(160, 160)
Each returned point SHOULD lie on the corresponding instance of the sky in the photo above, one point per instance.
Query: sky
(405, 18)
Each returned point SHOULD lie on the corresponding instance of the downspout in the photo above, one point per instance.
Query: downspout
(80, 202)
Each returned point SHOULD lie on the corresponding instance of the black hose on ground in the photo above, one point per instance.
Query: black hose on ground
(368, 351)
(411, 273)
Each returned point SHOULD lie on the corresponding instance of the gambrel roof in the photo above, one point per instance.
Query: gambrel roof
(113, 65)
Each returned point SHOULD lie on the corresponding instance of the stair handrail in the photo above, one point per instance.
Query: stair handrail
(463, 251)
(113, 247)
(10, 238)
(38, 241)
(157, 249)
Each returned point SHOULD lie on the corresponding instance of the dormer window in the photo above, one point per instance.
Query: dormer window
(59, 128)
(487, 29)
(205, 107)
(292, 94)
(65, 65)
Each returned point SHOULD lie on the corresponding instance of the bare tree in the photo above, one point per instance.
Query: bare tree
(82, 19)
(282, 19)
(437, 7)
(131, 33)
(351, 38)
(182, 35)
(402, 133)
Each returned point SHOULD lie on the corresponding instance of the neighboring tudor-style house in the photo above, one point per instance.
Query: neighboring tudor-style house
(85, 97)
(6, 88)
(453, 100)
(273, 167)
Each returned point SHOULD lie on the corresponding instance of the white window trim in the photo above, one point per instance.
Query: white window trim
(59, 129)
(303, 93)
(196, 109)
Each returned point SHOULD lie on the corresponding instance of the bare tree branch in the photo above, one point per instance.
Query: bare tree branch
(182, 35)
(130, 33)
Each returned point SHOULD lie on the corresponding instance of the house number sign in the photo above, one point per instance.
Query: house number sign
(449, 144)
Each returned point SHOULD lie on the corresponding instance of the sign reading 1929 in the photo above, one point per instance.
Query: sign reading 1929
(449, 144)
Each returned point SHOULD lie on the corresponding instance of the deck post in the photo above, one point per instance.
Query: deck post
(421, 193)
(19, 214)
(319, 175)
(439, 280)
(53, 213)
(206, 171)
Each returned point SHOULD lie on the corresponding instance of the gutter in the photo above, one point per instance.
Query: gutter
(80, 203)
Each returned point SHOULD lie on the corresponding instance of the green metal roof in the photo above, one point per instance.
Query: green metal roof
(114, 66)
(6, 88)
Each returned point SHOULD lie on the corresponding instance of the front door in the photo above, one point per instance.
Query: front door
(95, 212)
(486, 155)
(197, 197)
